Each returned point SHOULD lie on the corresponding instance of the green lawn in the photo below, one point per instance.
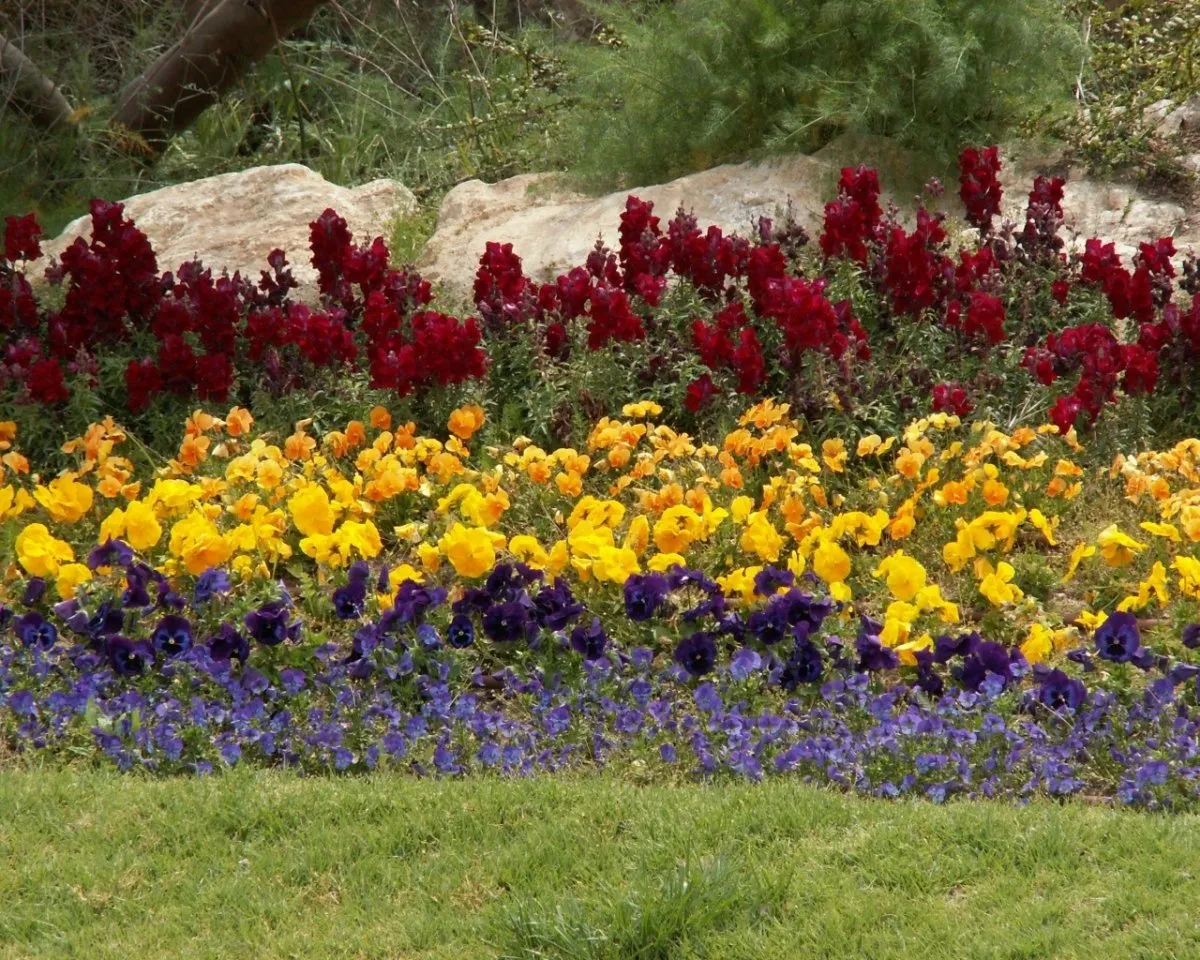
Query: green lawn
(268, 865)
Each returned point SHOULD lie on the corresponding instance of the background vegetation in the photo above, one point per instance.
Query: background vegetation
(615, 91)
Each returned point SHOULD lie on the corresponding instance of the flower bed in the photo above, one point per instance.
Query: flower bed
(877, 322)
(952, 609)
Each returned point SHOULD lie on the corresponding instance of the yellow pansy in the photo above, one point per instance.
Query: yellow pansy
(830, 562)
(312, 511)
(65, 498)
(678, 528)
(142, 529)
(997, 585)
(1081, 552)
(1118, 549)
(761, 538)
(70, 576)
(39, 553)
(471, 551)
(905, 576)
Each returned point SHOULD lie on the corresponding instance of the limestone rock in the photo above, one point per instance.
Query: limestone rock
(553, 229)
(1170, 118)
(234, 220)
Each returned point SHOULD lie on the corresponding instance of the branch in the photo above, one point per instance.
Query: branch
(223, 42)
(29, 89)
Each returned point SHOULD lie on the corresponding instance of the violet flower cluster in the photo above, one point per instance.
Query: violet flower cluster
(519, 677)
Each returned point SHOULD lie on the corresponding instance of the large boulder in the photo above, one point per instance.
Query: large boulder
(552, 228)
(234, 220)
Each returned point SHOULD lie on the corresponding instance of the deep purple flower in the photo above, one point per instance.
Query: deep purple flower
(770, 579)
(227, 644)
(928, 679)
(590, 641)
(556, 606)
(946, 648)
(1118, 638)
(506, 581)
(1191, 636)
(111, 553)
(804, 665)
(461, 632)
(269, 624)
(108, 619)
(348, 599)
(411, 603)
(358, 572)
(697, 654)
(127, 657)
(770, 624)
(35, 589)
(35, 631)
(873, 656)
(210, 583)
(172, 637)
(137, 582)
(986, 659)
(1058, 691)
(680, 578)
(509, 622)
(645, 594)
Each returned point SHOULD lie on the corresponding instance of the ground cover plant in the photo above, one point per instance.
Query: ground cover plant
(875, 322)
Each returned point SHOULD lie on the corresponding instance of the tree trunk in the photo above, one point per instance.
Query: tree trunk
(227, 37)
(35, 94)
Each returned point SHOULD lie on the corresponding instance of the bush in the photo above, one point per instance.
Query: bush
(707, 81)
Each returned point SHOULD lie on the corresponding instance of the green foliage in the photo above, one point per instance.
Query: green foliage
(272, 865)
(1138, 53)
(428, 97)
(707, 81)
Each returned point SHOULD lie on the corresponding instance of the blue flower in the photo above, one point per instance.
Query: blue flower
(292, 680)
(34, 590)
(209, 584)
(269, 624)
(172, 637)
(1191, 636)
(590, 641)
(805, 665)
(872, 654)
(461, 632)
(697, 654)
(128, 658)
(645, 595)
(1058, 691)
(744, 663)
(509, 622)
(428, 637)
(770, 579)
(348, 600)
(111, 553)
(1118, 638)
(228, 644)
(556, 606)
(35, 631)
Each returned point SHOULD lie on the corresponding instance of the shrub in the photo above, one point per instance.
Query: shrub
(706, 81)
